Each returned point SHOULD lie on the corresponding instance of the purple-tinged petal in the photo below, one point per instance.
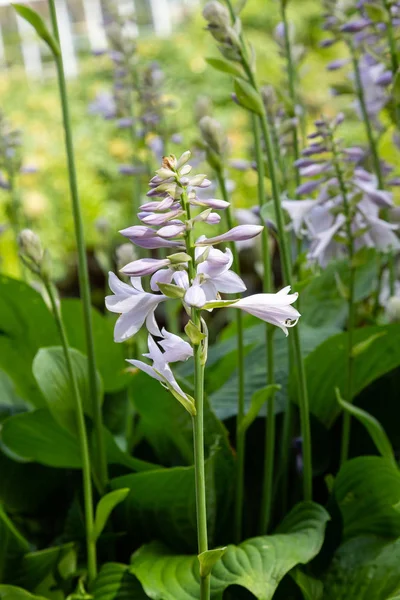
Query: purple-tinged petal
(237, 234)
(144, 266)
(334, 65)
(309, 186)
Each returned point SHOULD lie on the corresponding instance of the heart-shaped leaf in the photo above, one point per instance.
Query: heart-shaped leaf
(51, 373)
(115, 582)
(366, 490)
(105, 507)
(36, 436)
(326, 367)
(363, 568)
(257, 564)
(13, 546)
(10, 592)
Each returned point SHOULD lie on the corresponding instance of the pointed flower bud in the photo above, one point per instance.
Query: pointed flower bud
(237, 234)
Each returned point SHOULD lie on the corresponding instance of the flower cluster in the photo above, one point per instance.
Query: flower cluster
(195, 271)
(346, 193)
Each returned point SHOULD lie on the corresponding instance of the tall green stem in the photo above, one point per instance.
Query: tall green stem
(268, 473)
(287, 275)
(240, 433)
(198, 418)
(84, 285)
(82, 436)
(351, 305)
(367, 121)
(291, 75)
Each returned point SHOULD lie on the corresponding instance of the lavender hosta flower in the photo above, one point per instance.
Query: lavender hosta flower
(298, 210)
(323, 247)
(211, 203)
(145, 237)
(144, 266)
(272, 308)
(334, 65)
(236, 234)
(176, 349)
(135, 307)
(213, 277)
(309, 186)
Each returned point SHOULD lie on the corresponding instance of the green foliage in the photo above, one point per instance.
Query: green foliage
(116, 582)
(10, 592)
(367, 490)
(257, 564)
(39, 26)
(52, 376)
(326, 367)
(105, 507)
(364, 567)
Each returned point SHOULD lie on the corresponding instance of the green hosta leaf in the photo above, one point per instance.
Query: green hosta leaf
(36, 436)
(208, 559)
(115, 582)
(27, 325)
(327, 366)
(110, 357)
(36, 566)
(247, 96)
(162, 504)
(13, 546)
(375, 12)
(169, 430)
(105, 507)
(38, 24)
(311, 588)
(224, 399)
(50, 371)
(225, 66)
(364, 568)
(257, 564)
(367, 490)
(10, 592)
(373, 427)
(258, 399)
(320, 302)
(363, 346)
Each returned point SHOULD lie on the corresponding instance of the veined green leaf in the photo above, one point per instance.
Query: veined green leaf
(39, 26)
(105, 507)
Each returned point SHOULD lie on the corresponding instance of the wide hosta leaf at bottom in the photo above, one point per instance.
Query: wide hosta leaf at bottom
(366, 490)
(364, 568)
(115, 582)
(258, 564)
(10, 592)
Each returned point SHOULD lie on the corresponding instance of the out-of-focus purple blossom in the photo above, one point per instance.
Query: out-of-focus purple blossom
(125, 123)
(336, 64)
(131, 169)
(355, 26)
(103, 105)
(385, 78)
(28, 169)
(309, 186)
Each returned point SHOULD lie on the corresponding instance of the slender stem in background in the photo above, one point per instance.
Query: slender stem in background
(287, 275)
(240, 433)
(84, 285)
(268, 473)
(393, 54)
(83, 439)
(198, 418)
(367, 121)
(351, 305)
(291, 75)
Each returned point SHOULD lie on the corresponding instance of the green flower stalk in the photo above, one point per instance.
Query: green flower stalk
(37, 261)
(216, 144)
(84, 285)
(197, 273)
(226, 29)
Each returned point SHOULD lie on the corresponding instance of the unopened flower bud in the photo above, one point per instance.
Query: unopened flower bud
(213, 135)
(216, 14)
(393, 309)
(30, 247)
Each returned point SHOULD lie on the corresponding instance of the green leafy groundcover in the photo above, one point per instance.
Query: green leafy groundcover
(258, 564)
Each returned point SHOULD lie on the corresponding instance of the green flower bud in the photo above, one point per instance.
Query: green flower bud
(213, 135)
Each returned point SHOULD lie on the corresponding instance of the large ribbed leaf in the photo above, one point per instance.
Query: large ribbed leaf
(115, 582)
(258, 564)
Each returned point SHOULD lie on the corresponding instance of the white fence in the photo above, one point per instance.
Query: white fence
(81, 27)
